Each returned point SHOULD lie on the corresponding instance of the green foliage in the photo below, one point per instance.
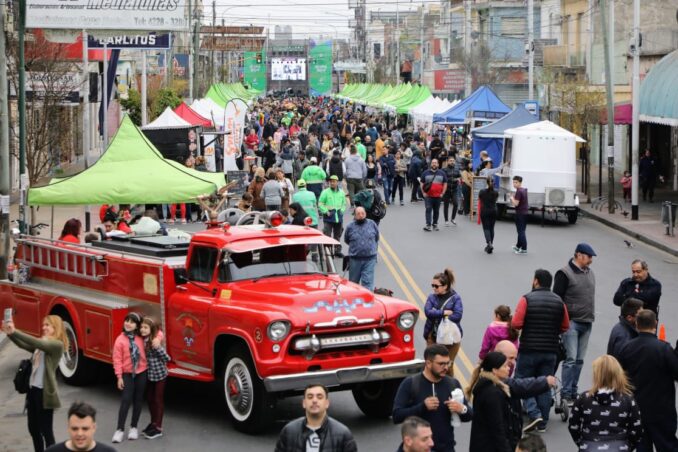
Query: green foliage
(132, 106)
(163, 98)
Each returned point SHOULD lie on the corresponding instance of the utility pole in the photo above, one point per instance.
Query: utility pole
(196, 50)
(104, 96)
(169, 64)
(23, 177)
(4, 154)
(530, 49)
(144, 90)
(610, 107)
(635, 105)
(214, 24)
(190, 51)
(397, 38)
(468, 82)
(85, 113)
(421, 44)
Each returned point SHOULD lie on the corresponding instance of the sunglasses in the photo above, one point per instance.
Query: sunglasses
(435, 286)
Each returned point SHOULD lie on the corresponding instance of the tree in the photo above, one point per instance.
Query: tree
(163, 98)
(132, 106)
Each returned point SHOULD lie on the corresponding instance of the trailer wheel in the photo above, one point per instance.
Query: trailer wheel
(75, 367)
(572, 216)
(375, 398)
(246, 399)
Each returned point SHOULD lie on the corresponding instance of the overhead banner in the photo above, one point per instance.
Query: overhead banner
(255, 70)
(131, 41)
(235, 113)
(153, 15)
(320, 69)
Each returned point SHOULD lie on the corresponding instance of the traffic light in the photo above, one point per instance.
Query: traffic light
(259, 58)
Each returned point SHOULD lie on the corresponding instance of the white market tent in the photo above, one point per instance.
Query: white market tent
(167, 120)
(422, 115)
(209, 109)
(542, 129)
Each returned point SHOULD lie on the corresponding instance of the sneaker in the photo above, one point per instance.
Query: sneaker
(132, 434)
(402, 203)
(453, 222)
(153, 433)
(148, 428)
(541, 427)
(487, 249)
(170, 221)
(427, 228)
(521, 251)
(490, 248)
(183, 221)
(532, 425)
(515, 249)
(447, 224)
(118, 436)
(435, 227)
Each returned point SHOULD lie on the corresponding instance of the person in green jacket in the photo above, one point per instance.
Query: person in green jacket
(307, 200)
(362, 150)
(314, 177)
(332, 205)
(42, 398)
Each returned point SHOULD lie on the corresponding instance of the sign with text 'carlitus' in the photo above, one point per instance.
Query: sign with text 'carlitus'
(131, 41)
(150, 15)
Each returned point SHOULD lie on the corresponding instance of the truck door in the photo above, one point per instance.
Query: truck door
(189, 342)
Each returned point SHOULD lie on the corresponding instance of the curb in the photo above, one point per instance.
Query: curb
(637, 236)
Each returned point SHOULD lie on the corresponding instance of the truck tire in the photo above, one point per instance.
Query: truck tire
(572, 216)
(245, 397)
(74, 366)
(375, 398)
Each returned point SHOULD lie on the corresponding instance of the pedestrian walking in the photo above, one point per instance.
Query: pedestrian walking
(387, 164)
(606, 417)
(490, 429)
(521, 206)
(82, 427)
(356, 172)
(488, 213)
(316, 430)
(416, 435)
(307, 200)
(625, 329)
(42, 397)
(157, 359)
(362, 238)
(641, 285)
(314, 176)
(129, 364)
(433, 185)
(540, 315)
(399, 179)
(575, 283)
(648, 170)
(417, 167)
(652, 368)
(434, 396)
(272, 191)
(332, 205)
(498, 330)
(443, 303)
(450, 195)
(466, 185)
(255, 187)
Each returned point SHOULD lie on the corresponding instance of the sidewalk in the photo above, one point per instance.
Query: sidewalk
(648, 228)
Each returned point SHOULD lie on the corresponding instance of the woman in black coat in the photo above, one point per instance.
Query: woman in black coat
(490, 430)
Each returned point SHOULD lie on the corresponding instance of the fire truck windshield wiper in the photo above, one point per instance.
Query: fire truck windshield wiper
(270, 275)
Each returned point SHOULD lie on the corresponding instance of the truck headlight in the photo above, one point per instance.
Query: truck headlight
(278, 330)
(406, 320)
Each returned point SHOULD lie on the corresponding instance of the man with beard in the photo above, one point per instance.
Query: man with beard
(641, 286)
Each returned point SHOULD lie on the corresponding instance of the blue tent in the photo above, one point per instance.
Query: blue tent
(490, 138)
(483, 103)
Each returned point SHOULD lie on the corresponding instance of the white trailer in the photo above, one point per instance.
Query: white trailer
(545, 156)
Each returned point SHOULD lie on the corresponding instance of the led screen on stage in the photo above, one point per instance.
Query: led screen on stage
(288, 68)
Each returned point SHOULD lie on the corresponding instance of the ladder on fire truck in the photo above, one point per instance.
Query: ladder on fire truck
(64, 258)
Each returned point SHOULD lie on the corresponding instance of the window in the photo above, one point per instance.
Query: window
(203, 261)
(513, 26)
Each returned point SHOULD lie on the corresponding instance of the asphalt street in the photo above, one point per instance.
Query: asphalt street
(408, 259)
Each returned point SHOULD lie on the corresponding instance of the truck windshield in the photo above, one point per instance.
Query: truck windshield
(276, 261)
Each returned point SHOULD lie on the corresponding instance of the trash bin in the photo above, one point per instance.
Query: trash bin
(666, 205)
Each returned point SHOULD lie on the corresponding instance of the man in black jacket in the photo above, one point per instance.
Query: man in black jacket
(641, 286)
(625, 330)
(652, 367)
(429, 396)
(316, 431)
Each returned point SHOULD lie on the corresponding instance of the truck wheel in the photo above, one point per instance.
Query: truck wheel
(375, 398)
(246, 398)
(572, 216)
(75, 367)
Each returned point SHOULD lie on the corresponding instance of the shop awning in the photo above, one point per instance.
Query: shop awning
(623, 114)
(658, 93)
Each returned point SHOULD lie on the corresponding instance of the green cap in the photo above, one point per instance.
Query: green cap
(334, 177)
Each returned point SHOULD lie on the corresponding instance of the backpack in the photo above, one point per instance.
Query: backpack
(22, 378)
(378, 209)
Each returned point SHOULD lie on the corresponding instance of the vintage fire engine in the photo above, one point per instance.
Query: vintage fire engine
(259, 309)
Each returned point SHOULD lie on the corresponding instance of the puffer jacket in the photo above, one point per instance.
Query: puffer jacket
(491, 418)
(334, 437)
(434, 308)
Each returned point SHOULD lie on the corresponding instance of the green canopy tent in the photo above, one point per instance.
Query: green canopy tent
(131, 171)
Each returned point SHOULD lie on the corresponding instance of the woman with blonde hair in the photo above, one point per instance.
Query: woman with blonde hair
(42, 397)
(606, 417)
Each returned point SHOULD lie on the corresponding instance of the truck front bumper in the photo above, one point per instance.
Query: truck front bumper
(345, 376)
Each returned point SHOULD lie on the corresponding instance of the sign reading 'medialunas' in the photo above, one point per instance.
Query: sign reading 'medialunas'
(106, 14)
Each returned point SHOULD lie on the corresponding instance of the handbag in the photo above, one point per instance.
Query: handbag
(22, 378)
(448, 333)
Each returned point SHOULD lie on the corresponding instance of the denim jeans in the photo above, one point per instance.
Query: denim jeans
(361, 271)
(536, 364)
(388, 188)
(521, 225)
(575, 340)
(432, 210)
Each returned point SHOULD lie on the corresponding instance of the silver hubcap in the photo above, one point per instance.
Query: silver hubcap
(69, 361)
(239, 389)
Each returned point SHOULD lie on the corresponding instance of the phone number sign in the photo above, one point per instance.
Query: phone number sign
(449, 80)
(150, 15)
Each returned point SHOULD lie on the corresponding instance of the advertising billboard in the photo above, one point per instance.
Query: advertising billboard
(255, 70)
(320, 69)
(288, 68)
(449, 80)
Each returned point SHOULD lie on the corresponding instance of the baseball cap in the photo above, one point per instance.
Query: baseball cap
(334, 177)
(356, 139)
(585, 248)
(301, 183)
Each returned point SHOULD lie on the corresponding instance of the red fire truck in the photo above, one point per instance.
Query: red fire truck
(259, 309)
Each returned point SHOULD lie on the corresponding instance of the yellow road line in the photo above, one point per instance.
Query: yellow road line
(422, 297)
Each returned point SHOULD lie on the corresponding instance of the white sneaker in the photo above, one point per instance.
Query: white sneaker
(447, 223)
(132, 434)
(118, 436)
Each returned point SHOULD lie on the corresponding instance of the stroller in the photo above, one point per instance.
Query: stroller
(559, 403)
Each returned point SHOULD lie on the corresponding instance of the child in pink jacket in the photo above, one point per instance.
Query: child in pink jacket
(500, 329)
(129, 364)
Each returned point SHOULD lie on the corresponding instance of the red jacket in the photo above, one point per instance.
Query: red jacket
(122, 360)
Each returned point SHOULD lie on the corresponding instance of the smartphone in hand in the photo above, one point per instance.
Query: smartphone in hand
(8, 315)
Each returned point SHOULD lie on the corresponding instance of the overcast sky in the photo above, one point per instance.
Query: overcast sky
(307, 17)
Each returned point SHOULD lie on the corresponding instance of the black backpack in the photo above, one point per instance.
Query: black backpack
(378, 209)
(22, 379)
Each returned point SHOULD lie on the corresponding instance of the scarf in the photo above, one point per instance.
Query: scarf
(133, 351)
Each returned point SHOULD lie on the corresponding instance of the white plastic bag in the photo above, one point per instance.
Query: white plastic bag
(458, 396)
(448, 332)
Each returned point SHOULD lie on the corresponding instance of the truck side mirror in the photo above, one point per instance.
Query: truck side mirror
(180, 276)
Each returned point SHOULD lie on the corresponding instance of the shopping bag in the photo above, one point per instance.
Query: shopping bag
(448, 332)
